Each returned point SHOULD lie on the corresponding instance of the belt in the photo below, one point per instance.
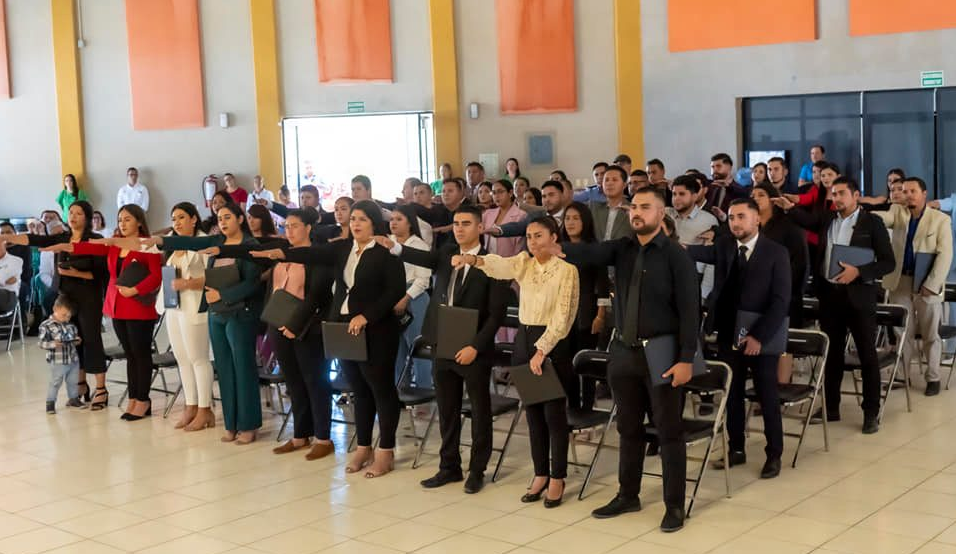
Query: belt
(638, 344)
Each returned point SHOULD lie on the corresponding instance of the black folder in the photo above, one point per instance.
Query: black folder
(535, 389)
(775, 346)
(222, 276)
(341, 345)
(132, 274)
(924, 264)
(662, 353)
(851, 255)
(280, 309)
(170, 295)
(456, 329)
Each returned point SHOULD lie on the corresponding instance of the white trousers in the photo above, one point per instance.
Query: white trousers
(190, 342)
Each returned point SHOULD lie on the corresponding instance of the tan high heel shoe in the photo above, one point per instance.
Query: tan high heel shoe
(204, 419)
(363, 456)
(383, 464)
(188, 415)
(246, 437)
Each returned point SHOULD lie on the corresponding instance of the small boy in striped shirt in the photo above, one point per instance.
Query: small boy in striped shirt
(59, 338)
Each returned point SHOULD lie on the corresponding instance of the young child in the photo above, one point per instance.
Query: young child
(59, 338)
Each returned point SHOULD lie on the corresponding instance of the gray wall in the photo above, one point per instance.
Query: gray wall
(690, 97)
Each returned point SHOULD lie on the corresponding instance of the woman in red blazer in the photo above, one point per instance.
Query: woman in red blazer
(132, 309)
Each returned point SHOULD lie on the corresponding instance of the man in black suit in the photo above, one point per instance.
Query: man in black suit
(752, 277)
(464, 288)
(308, 198)
(848, 298)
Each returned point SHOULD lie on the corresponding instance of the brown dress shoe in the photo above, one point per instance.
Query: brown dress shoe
(289, 446)
(320, 450)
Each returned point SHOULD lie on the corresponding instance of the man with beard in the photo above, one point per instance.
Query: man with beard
(657, 295)
(723, 188)
(752, 279)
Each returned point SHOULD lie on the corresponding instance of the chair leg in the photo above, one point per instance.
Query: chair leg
(726, 447)
(597, 452)
(700, 476)
(421, 445)
(504, 447)
(171, 403)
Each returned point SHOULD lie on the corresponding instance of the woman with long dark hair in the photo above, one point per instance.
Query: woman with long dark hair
(341, 211)
(405, 231)
(547, 308)
(188, 325)
(82, 279)
(512, 169)
(777, 226)
(210, 225)
(506, 210)
(233, 319)
(71, 193)
(260, 222)
(369, 281)
(132, 308)
(594, 291)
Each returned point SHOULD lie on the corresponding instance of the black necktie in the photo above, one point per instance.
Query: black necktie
(742, 259)
(633, 305)
(459, 281)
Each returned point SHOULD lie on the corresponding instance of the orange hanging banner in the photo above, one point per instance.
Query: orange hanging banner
(354, 40)
(705, 24)
(4, 60)
(536, 68)
(877, 17)
(165, 64)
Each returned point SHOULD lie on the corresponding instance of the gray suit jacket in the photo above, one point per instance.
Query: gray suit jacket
(622, 223)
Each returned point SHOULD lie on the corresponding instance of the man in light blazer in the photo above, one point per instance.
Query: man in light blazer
(915, 231)
(611, 217)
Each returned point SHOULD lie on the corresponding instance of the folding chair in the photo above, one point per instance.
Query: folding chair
(591, 364)
(802, 344)
(412, 397)
(811, 310)
(12, 321)
(948, 332)
(887, 316)
(504, 351)
(716, 382)
(342, 389)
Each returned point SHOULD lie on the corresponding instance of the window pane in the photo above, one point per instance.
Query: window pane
(898, 132)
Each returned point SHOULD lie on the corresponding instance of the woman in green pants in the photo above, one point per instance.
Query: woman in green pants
(233, 319)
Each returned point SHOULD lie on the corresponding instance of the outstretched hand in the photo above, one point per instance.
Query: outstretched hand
(272, 254)
(384, 241)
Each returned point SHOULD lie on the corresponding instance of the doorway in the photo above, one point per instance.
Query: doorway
(327, 151)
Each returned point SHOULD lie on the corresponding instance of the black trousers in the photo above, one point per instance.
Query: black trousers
(450, 380)
(763, 369)
(582, 389)
(840, 312)
(634, 395)
(375, 393)
(136, 338)
(548, 421)
(306, 374)
(89, 321)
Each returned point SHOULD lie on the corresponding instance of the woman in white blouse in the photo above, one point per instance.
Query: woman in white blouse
(547, 308)
(187, 326)
(405, 230)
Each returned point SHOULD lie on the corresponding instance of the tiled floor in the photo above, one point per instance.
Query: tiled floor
(87, 483)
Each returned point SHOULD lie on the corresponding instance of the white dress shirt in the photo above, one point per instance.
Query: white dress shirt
(750, 244)
(840, 232)
(264, 194)
(416, 278)
(349, 273)
(454, 274)
(11, 266)
(137, 194)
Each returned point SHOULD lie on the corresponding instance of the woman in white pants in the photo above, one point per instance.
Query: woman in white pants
(187, 326)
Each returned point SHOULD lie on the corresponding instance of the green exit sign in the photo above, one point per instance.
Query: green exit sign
(356, 107)
(931, 79)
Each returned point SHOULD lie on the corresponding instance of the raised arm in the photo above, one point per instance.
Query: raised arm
(173, 243)
(317, 254)
(599, 254)
(508, 268)
(705, 254)
(89, 249)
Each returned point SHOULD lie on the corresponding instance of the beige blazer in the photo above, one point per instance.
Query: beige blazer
(933, 236)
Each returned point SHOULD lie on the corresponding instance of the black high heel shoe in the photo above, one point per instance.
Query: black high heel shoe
(548, 503)
(104, 394)
(530, 497)
(85, 395)
(134, 417)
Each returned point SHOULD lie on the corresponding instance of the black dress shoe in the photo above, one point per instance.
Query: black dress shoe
(618, 505)
(441, 479)
(932, 388)
(871, 424)
(735, 457)
(673, 520)
(475, 482)
(530, 497)
(549, 503)
(770, 469)
(817, 418)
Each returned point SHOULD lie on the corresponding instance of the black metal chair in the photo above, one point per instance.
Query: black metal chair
(806, 345)
(714, 383)
(12, 322)
(948, 332)
(344, 397)
(590, 364)
(411, 397)
(888, 316)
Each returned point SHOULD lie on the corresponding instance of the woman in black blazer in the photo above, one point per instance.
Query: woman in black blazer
(369, 281)
(778, 226)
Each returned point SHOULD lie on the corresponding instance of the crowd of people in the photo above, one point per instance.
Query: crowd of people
(626, 264)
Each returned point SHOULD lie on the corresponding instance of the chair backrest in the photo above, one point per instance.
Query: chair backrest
(892, 315)
(715, 379)
(811, 308)
(805, 343)
(511, 318)
(949, 292)
(591, 363)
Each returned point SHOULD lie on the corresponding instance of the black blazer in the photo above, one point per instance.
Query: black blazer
(478, 292)
(80, 290)
(767, 278)
(782, 230)
(869, 232)
(318, 287)
(594, 284)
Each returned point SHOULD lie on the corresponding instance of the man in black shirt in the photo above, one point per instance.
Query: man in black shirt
(657, 295)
